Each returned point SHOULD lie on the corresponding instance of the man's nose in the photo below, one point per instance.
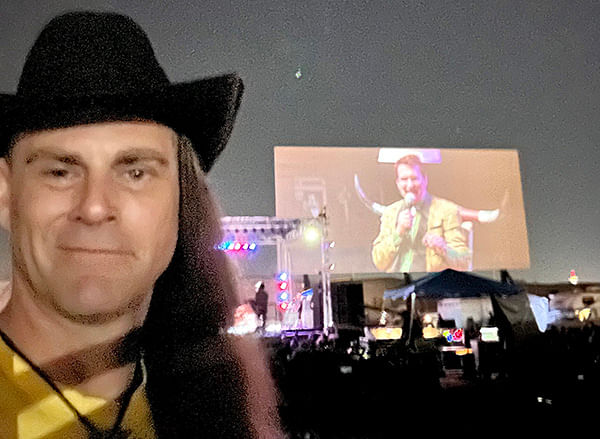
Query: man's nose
(95, 201)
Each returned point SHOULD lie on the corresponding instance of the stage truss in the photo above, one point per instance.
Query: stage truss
(280, 232)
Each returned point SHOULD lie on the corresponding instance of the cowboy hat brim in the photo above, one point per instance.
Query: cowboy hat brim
(203, 110)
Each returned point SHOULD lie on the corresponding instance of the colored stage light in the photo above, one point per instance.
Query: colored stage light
(237, 246)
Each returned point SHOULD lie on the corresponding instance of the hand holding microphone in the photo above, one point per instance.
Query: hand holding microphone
(406, 216)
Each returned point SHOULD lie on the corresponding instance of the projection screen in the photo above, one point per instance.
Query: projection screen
(465, 209)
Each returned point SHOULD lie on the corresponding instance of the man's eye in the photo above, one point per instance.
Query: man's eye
(136, 174)
(57, 172)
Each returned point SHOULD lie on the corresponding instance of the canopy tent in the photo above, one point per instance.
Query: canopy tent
(450, 283)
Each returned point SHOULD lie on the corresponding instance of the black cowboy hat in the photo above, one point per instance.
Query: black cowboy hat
(88, 67)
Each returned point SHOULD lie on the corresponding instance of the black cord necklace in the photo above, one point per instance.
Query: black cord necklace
(94, 432)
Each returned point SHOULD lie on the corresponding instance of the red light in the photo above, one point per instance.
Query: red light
(283, 286)
(283, 306)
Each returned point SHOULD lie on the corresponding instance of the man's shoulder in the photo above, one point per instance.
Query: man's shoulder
(443, 204)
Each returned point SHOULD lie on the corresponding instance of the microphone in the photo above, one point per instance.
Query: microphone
(410, 199)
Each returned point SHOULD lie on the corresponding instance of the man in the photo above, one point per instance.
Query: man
(420, 232)
(261, 300)
(118, 297)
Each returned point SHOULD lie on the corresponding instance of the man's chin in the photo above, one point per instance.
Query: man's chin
(97, 310)
(92, 318)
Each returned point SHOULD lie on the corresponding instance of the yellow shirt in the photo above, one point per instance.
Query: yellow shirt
(31, 409)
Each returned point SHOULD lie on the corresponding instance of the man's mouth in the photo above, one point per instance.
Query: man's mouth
(96, 251)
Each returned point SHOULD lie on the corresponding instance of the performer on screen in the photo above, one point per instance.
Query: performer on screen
(420, 232)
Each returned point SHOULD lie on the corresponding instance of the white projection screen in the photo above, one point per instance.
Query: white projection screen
(356, 185)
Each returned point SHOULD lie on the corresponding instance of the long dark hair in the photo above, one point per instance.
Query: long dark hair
(201, 381)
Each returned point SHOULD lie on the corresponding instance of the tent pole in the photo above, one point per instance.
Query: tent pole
(413, 295)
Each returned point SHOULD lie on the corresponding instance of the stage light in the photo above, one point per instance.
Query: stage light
(283, 285)
(311, 234)
(283, 306)
(237, 246)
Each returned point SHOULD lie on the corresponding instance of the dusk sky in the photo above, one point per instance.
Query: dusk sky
(513, 74)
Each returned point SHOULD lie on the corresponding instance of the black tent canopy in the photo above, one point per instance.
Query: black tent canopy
(450, 284)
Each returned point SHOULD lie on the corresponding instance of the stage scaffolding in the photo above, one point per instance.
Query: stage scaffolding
(264, 230)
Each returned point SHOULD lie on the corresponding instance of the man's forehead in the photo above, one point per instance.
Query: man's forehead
(406, 169)
(128, 134)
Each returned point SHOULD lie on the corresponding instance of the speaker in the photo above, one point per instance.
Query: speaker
(347, 303)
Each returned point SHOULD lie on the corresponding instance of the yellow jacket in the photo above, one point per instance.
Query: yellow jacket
(443, 220)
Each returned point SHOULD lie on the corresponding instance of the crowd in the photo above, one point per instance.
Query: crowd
(332, 388)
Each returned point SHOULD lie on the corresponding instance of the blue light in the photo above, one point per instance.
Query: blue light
(224, 245)
(283, 276)
(283, 296)
(252, 247)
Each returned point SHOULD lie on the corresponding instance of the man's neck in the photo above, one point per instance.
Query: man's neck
(97, 359)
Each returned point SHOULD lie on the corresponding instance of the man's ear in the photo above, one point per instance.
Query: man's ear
(5, 194)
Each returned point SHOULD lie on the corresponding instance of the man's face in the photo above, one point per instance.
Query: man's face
(410, 179)
(93, 215)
